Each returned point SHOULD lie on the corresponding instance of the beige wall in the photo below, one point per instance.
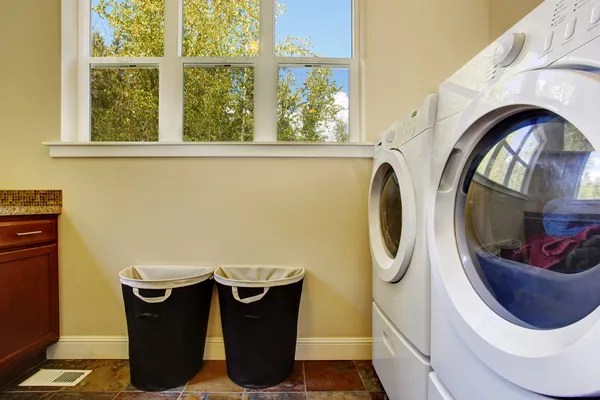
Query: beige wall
(411, 47)
(309, 212)
(120, 212)
(505, 13)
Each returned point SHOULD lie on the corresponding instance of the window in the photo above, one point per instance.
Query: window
(210, 71)
(509, 162)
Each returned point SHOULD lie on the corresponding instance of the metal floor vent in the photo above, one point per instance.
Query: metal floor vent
(56, 377)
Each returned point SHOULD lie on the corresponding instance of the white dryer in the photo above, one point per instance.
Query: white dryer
(514, 236)
(400, 186)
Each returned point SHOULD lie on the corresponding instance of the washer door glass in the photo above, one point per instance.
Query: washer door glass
(390, 212)
(528, 221)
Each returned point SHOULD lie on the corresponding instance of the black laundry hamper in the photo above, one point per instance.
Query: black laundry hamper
(259, 315)
(167, 310)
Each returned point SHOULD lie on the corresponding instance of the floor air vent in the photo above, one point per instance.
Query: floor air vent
(56, 377)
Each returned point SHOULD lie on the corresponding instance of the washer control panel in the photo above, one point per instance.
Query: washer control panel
(563, 26)
(561, 33)
(549, 33)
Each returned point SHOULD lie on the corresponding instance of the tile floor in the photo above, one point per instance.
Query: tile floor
(310, 380)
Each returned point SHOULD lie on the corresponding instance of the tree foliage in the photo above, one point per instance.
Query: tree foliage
(218, 101)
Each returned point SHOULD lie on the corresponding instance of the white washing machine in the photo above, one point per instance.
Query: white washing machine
(513, 237)
(400, 186)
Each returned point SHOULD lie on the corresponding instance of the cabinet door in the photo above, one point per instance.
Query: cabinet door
(28, 302)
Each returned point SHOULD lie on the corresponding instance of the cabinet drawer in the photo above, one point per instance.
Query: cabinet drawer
(23, 233)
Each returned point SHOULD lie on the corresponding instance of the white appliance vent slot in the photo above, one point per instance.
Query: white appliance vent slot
(56, 377)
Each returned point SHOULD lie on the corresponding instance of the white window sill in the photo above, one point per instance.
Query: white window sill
(209, 149)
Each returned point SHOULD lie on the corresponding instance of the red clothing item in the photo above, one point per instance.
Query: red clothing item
(544, 251)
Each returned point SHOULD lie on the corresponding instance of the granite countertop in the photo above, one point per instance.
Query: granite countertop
(30, 202)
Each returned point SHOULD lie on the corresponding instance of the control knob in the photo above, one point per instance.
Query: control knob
(508, 48)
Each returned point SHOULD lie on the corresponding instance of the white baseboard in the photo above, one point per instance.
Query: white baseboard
(116, 347)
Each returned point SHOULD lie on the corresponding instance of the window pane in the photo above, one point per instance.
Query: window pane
(313, 104)
(313, 28)
(124, 104)
(516, 177)
(589, 187)
(218, 104)
(500, 166)
(574, 139)
(220, 28)
(128, 28)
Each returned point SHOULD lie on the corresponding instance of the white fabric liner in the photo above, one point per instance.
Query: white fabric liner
(258, 276)
(164, 276)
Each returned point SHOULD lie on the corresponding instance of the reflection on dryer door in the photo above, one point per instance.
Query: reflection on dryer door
(532, 223)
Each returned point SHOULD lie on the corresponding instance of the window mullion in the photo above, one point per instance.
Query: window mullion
(327, 62)
(511, 165)
(83, 72)
(520, 160)
(356, 128)
(218, 60)
(488, 168)
(124, 62)
(354, 109)
(509, 148)
(266, 77)
(509, 171)
(170, 110)
(529, 133)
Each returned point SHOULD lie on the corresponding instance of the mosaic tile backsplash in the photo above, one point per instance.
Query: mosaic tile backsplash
(30, 202)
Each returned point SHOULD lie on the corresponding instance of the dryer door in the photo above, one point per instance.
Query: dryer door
(515, 239)
(392, 215)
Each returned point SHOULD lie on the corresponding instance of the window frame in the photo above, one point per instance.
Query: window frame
(77, 62)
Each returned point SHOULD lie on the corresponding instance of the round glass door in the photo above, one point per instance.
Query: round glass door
(390, 213)
(528, 221)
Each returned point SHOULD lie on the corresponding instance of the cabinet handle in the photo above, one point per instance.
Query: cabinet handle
(29, 233)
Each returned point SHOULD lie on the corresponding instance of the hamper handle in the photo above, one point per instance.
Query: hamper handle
(136, 291)
(248, 300)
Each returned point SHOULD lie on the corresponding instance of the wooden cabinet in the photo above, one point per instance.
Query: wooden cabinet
(29, 320)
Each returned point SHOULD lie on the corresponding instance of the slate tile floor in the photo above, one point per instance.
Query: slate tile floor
(310, 380)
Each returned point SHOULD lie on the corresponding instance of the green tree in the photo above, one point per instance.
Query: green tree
(589, 186)
(575, 140)
(218, 102)
(340, 130)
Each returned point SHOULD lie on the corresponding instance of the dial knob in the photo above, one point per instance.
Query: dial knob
(508, 49)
